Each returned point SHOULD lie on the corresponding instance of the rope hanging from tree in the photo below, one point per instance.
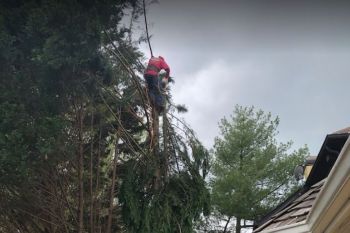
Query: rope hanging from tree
(144, 13)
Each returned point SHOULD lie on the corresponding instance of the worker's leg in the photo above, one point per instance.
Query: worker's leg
(159, 96)
(152, 87)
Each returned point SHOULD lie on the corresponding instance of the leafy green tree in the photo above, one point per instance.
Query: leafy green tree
(252, 172)
(74, 127)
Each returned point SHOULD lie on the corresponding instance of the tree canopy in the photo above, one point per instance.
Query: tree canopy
(75, 126)
(252, 170)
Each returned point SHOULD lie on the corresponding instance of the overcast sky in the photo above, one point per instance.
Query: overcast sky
(290, 58)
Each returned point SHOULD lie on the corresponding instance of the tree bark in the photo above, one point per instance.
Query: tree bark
(226, 225)
(238, 225)
(91, 176)
(155, 147)
(155, 129)
(111, 198)
(80, 172)
(165, 142)
(97, 188)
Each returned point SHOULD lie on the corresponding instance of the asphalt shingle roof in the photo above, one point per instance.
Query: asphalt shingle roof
(295, 212)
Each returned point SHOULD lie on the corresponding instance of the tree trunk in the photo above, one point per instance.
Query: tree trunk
(111, 198)
(80, 172)
(238, 225)
(155, 129)
(155, 147)
(91, 176)
(165, 147)
(97, 188)
(226, 225)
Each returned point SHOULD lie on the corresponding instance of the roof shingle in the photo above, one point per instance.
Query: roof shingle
(296, 211)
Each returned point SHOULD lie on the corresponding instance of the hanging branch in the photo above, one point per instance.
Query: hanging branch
(136, 82)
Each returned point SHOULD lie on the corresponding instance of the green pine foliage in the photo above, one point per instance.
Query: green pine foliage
(252, 171)
(174, 207)
(74, 136)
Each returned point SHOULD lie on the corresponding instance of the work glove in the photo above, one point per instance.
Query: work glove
(164, 82)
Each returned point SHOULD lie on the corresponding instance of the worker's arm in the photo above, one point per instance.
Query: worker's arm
(166, 67)
(167, 73)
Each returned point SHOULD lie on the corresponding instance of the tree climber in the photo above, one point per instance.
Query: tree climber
(155, 65)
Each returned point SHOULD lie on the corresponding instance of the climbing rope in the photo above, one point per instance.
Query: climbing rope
(144, 13)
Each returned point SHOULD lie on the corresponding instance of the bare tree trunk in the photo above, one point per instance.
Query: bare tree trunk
(165, 141)
(80, 173)
(91, 176)
(155, 146)
(238, 225)
(96, 201)
(111, 198)
(226, 225)
(155, 117)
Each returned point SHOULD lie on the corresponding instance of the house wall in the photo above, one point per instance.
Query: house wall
(307, 171)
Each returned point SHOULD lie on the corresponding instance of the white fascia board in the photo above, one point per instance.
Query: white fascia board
(333, 184)
(342, 216)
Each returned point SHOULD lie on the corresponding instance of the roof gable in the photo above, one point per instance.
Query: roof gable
(296, 208)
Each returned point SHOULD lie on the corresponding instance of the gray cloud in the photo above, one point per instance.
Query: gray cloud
(287, 57)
